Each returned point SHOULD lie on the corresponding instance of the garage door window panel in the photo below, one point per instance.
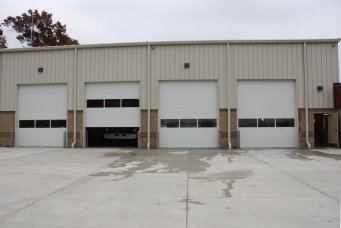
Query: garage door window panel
(42, 123)
(126, 103)
(58, 123)
(169, 123)
(26, 123)
(247, 122)
(285, 122)
(95, 103)
(188, 123)
(207, 123)
(112, 103)
(266, 122)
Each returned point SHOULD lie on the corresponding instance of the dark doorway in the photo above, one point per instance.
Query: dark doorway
(321, 130)
(112, 137)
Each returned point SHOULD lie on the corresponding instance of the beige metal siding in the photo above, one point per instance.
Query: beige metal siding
(265, 62)
(206, 63)
(112, 64)
(22, 68)
(246, 61)
(322, 71)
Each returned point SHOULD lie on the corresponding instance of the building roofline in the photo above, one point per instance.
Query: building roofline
(336, 40)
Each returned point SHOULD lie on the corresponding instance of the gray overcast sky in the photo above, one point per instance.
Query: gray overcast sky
(113, 21)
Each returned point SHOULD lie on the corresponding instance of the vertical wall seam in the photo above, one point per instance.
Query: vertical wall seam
(148, 102)
(75, 64)
(306, 96)
(228, 96)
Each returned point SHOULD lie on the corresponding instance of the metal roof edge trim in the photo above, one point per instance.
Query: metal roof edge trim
(169, 43)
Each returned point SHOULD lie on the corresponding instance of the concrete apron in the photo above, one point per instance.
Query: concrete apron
(43, 187)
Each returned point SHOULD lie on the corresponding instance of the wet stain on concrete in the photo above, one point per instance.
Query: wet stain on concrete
(196, 202)
(179, 153)
(193, 165)
(230, 155)
(101, 174)
(143, 162)
(304, 155)
(226, 191)
(175, 161)
(189, 200)
(118, 153)
(228, 175)
(206, 181)
(199, 162)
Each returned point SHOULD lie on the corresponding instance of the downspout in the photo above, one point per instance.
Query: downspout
(306, 95)
(148, 102)
(75, 98)
(228, 98)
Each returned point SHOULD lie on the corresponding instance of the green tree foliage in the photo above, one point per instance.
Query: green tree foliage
(3, 40)
(45, 32)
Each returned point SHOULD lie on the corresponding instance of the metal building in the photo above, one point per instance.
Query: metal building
(202, 94)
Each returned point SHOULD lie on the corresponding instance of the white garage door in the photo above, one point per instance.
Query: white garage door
(267, 114)
(110, 104)
(188, 114)
(42, 115)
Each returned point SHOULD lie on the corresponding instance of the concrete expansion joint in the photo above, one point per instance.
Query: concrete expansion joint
(80, 180)
(23, 208)
(300, 181)
(187, 196)
(26, 155)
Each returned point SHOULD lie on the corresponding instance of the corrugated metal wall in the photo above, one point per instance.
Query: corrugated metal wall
(264, 62)
(22, 68)
(282, 61)
(207, 62)
(112, 64)
(322, 61)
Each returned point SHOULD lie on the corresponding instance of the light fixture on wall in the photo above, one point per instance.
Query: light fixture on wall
(186, 65)
(319, 88)
(40, 69)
